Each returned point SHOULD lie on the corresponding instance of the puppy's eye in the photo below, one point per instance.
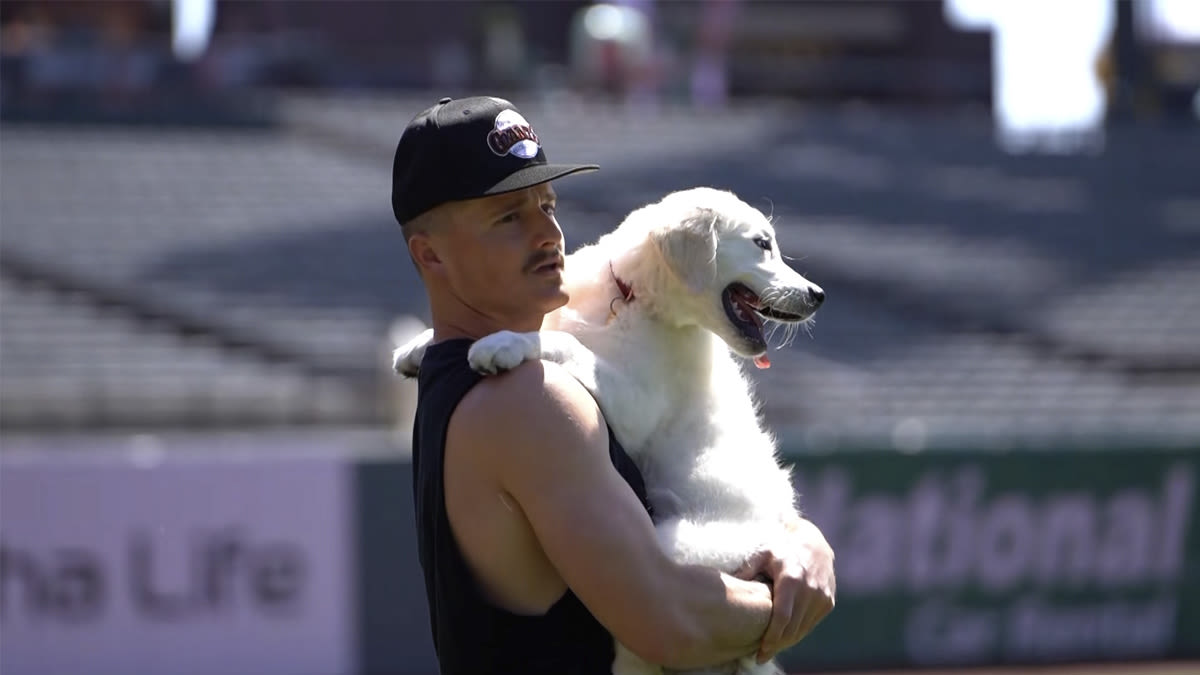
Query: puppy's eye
(763, 243)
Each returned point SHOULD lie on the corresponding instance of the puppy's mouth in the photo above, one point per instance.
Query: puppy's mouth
(746, 312)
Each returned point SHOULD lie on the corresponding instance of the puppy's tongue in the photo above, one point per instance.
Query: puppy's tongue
(762, 361)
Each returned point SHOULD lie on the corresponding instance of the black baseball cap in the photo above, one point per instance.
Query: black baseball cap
(464, 149)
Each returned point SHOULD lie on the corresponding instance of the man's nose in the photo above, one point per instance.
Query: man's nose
(548, 232)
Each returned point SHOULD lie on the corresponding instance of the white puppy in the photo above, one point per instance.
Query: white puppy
(656, 306)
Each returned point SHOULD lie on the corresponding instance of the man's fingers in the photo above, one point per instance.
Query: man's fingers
(818, 609)
(812, 604)
(781, 614)
(791, 632)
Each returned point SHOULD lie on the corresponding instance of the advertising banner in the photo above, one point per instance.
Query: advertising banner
(1031, 557)
(178, 566)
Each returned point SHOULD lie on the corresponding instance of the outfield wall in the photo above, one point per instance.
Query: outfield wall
(962, 558)
(176, 564)
(304, 563)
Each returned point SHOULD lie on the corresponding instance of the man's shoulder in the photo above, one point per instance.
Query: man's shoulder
(535, 397)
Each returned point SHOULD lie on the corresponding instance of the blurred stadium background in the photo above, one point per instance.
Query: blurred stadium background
(995, 417)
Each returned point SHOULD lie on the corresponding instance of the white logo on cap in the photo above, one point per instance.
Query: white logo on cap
(513, 136)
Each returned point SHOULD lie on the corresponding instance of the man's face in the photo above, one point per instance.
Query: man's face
(503, 255)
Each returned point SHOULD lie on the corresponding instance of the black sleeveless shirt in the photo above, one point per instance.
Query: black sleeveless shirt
(470, 635)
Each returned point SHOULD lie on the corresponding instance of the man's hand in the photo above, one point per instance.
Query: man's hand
(800, 569)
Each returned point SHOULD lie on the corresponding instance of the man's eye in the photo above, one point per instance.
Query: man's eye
(763, 243)
(550, 209)
(508, 217)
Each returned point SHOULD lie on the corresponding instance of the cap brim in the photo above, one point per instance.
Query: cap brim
(536, 175)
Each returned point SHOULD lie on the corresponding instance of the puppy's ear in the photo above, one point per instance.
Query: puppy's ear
(690, 250)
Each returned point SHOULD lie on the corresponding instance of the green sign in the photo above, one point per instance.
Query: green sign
(962, 558)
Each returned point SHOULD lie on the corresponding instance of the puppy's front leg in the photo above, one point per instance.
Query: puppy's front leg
(505, 350)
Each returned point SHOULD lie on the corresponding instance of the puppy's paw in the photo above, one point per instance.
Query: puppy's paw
(503, 350)
(406, 359)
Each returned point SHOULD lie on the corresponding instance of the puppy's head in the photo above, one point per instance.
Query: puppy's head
(719, 267)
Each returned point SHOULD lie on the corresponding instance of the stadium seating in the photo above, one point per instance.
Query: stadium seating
(232, 276)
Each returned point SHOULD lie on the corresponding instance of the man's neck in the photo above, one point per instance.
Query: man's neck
(450, 329)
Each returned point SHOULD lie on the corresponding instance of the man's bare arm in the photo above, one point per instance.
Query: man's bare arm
(550, 445)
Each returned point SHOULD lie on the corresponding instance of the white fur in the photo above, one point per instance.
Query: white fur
(663, 369)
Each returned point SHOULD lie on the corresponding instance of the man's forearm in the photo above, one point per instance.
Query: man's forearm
(722, 618)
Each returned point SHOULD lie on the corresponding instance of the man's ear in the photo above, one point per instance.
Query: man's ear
(690, 250)
(423, 253)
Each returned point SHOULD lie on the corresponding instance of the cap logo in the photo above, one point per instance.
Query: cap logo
(513, 136)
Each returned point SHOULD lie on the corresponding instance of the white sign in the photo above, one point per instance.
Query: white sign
(186, 566)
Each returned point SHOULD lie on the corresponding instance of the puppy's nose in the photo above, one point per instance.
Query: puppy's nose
(815, 295)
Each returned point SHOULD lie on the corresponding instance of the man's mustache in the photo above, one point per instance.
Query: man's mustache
(542, 257)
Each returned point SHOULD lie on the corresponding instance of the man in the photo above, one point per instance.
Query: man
(534, 530)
